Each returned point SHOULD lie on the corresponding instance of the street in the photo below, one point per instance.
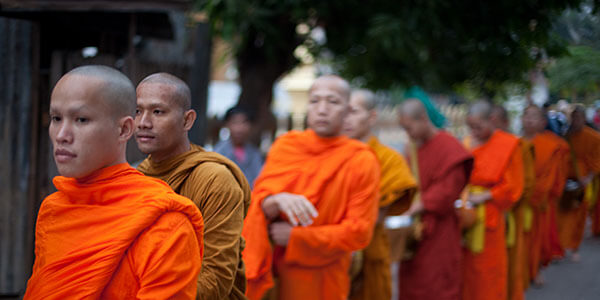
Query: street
(567, 280)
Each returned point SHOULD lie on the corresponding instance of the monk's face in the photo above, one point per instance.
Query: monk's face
(84, 131)
(327, 108)
(359, 120)
(159, 120)
(533, 120)
(480, 128)
(416, 127)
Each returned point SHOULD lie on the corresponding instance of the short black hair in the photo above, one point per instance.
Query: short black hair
(248, 112)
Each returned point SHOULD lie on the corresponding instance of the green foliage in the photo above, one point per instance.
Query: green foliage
(576, 75)
(436, 44)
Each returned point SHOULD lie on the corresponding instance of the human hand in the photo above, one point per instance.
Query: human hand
(280, 233)
(297, 208)
(415, 208)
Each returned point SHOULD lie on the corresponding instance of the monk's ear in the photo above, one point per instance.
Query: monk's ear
(126, 128)
(189, 117)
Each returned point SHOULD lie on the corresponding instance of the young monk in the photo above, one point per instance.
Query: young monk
(215, 184)
(518, 218)
(396, 188)
(314, 203)
(584, 167)
(496, 184)
(444, 168)
(552, 154)
(109, 232)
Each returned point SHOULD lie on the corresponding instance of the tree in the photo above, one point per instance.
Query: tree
(437, 44)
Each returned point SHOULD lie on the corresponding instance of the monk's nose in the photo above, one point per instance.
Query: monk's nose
(143, 121)
(64, 133)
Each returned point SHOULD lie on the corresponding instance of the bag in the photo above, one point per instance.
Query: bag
(572, 196)
(404, 233)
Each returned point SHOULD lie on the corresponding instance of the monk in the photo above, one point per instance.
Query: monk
(444, 167)
(518, 233)
(396, 188)
(313, 204)
(496, 184)
(551, 156)
(215, 184)
(583, 168)
(109, 232)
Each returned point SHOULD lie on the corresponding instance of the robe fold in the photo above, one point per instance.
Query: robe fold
(434, 271)
(117, 235)
(550, 160)
(571, 223)
(340, 177)
(498, 167)
(396, 189)
(518, 257)
(221, 192)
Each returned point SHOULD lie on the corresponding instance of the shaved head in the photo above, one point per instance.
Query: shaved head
(482, 109)
(416, 122)
(115, 88)
(333, 81)
(180, 91)
(479, 121)
(367, 98)
(534, 121)
(413, 108)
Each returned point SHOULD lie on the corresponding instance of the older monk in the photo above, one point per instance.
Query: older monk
(314, 202)
(396, 189)
(109, 232)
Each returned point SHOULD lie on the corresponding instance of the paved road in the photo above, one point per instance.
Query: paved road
(566, 280)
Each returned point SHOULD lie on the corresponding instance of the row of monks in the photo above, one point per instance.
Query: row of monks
(187, 224)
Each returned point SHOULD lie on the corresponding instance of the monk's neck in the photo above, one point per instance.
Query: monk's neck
(181, 148)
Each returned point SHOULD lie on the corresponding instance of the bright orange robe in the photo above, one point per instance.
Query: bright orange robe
(551, 153)
(518, 258)
(396, 189)
(571, 223)
(118, 235)
(498, 167)
(340, 177)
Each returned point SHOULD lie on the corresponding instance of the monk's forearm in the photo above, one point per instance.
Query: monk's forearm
(270, 208)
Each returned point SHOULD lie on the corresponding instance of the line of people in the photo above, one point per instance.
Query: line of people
(313, 225)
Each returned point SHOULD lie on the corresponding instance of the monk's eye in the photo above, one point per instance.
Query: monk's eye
(137, 111)
(54, 118)
(81, 120)
(313, 101)
(158, 112)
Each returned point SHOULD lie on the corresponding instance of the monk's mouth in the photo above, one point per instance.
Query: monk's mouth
(63, 156)
(144, 138)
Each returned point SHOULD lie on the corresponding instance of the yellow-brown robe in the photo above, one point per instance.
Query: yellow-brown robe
(221, 192)
(397, 185)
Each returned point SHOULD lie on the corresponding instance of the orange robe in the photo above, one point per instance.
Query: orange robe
(551, 156)
(221, 192)
(433, 273)
(518, 258)
(571, 223)
(118, 235)
(498, 167)
(396, 189)
(340, 177)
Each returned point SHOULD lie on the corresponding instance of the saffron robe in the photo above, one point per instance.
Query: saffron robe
(498, 166)
(551, 157)
(396, 189)
(518, 262)
(340, 177)
(221, 192)
(434, 271)
(118, 235)
(571, 223)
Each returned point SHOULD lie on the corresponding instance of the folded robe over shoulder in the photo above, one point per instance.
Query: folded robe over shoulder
(499, 168)
(118, 235)
(340, 177)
